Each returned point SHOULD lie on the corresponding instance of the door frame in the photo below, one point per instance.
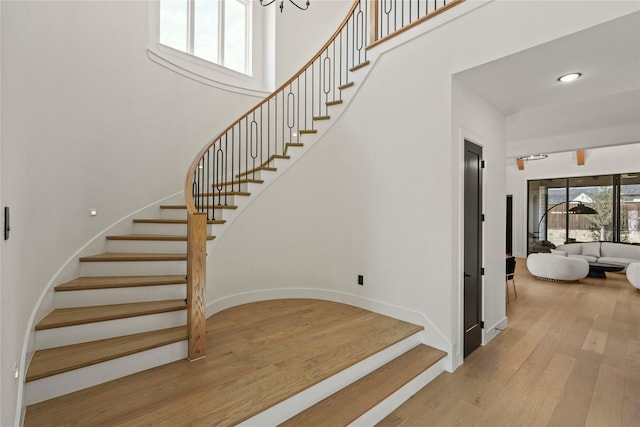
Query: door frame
(458, 265)
(476, 249)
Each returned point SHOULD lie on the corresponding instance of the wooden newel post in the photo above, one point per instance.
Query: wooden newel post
(196, 284)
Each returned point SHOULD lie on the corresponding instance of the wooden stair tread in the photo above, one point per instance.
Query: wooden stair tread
(201, 207)
(153, 237)
(322, 118)
(258, 169)
(361, 65)
(346, 85)
(125, 256)
(223, 194)
(336, 102)
(368, 391)
(108, 282)
(307, 131)
(173, 221)
(57, 360)
(62, 317)
(238, 181)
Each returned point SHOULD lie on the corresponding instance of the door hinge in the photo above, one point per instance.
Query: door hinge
(482, 164)
(482, 324)
(482, 218)
(482, 271)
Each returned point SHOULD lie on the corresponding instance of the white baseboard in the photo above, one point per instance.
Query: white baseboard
(490, 333)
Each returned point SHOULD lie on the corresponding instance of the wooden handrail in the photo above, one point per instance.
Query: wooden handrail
(217, 168)
(413, 24)
(194, 165)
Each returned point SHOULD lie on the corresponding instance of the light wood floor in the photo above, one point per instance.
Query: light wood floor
(257, 355)
(570, 357)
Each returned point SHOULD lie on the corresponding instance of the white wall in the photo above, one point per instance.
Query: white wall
(380, 194)
(301, 34)
(3, 372)
(483, 125)
(598, 161)
(88, 121)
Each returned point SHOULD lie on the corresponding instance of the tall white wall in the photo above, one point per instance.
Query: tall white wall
(301, 34)
(380, 195)
(484, 125)
(598, 161)
(88, 121)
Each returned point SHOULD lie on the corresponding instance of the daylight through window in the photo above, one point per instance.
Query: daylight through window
(614, 216)
(214, 30)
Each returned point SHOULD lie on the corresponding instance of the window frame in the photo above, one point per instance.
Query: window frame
(256, 83)
(190, 34)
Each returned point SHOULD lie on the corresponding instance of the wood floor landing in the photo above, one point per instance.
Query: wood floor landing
(257, 356)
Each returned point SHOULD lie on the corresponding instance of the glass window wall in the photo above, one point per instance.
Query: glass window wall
(583, 209)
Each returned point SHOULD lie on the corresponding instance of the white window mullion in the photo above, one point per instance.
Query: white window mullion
(221, 33)
(247, 40)
(191, 8)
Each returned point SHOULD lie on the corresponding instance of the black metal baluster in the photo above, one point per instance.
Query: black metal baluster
(233, 157)
(246, 146)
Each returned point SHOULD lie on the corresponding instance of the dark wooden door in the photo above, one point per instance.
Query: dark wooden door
(472, 246)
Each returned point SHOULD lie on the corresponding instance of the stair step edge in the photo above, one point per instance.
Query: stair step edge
(129, 257)
(63, 317)
(54, 361)
(173, 221)
(379, 384)
(109, 282)
(184, 207)
(153, 237)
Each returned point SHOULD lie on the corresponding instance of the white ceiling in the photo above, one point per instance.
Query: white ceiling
(525, 84)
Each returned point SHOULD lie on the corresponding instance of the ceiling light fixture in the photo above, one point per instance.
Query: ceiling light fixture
(281, 4)
(534, 157)
(569, 77)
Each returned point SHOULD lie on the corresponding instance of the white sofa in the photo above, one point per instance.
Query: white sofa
(605, 252)
(633, 274)
(557, 268)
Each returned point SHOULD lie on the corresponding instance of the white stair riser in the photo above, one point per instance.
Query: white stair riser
(218, 199)
(182, 213)
(173, 229)
(384, 408)
(58, 337)
(153, 228)
(147, 246)
(277, 163)
(119, 295)
(132, 268)
(67, 382)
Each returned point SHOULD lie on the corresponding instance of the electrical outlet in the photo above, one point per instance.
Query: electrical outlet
(360, 280)
(93, 212)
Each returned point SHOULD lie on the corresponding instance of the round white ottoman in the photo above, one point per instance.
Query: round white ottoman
(633, 274)
(557, 268)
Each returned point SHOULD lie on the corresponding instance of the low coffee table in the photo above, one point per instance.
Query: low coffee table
(598, 269)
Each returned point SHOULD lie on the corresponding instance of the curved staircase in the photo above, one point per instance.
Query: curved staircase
(127, 311)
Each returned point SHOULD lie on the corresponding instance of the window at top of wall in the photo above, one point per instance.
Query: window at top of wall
(217, 31)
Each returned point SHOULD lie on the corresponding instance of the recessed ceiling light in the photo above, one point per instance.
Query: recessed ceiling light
(569, 77)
